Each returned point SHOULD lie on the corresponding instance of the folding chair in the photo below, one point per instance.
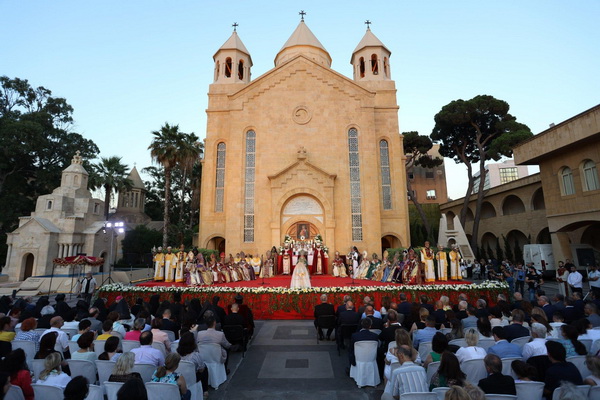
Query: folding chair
(365, 372)
(475, 371)
(161, 391)
(188, 370)
(111, 389)
(104, 368)
(145, 370)
(84, 368)
(95, 393)
(325, 322)
(520, 341)
(47, 392)
(582, 389)
(128, 345)
(530, 390)
(235, 334)
(211, 354)
(14, 393)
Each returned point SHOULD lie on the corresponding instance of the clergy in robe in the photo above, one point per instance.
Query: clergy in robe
(442, 263)
(180, 264)
(319, 261)
(427, 260)
(287, 260)
(455, 264)
(159, 265)
(170, 265)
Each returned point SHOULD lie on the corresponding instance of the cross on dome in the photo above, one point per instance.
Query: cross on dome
(235, 25)
(302, 14)
(368, 23)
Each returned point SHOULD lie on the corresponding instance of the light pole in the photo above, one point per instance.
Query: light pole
(119, 227)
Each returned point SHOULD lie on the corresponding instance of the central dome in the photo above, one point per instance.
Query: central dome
(303, 41)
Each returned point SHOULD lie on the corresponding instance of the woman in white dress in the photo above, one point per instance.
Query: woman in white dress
(300, 276)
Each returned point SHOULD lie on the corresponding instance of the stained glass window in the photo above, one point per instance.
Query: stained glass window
(220, 178)
(249, 187)
(355, 198)
(386, 180)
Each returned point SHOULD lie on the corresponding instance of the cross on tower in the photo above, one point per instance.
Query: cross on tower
(368, 23)
(235, 25)
(302, 14)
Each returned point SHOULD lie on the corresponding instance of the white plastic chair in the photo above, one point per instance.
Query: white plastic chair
(486, 343)
(521, 341)
(188, 370)
(174, 346)
(145, 370)
(70, 332)
(47, 392)
(475, 371)
(161, 391)
(99, 346)
(160, 346)
(587, 343)
(95, 393)
(432, 369)
(73, 346)
(28, 347)
(211, 354)
(424, 350)
(392, 345)
(459, 342)
(441, 392)
(111, 389)
(14, 393)
(170, 335)
(104, 368)
(37, 366)
(365, 372)
(84, 368)
(583, 389)
(529, 390)
(419, 396)
(128, 345)
(500, 397)
(507, 368)
(594, 393)
(579, 362)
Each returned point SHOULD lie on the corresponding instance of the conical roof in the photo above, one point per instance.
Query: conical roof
(369, 40)
(134, 177)
(302, 37)
(234, 43)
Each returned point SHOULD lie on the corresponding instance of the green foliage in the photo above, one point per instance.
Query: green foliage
(418, 233)
(499, 252)
(508, 250)
(111, 175)
(392, 253)
(36, 144)
(141, 239)
(482, 254)
(416, 148)
(489, 251)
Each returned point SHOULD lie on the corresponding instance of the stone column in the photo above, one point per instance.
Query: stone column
(561, 247)
(8, 254)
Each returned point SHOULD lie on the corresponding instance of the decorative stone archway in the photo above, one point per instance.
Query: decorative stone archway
(28, 263)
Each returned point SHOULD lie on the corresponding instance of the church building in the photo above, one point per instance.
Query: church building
(303, 150)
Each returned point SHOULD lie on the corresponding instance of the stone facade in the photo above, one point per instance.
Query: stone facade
(65, 223)
(280, 150)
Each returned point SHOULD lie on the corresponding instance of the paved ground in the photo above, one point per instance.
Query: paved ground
(284, 361)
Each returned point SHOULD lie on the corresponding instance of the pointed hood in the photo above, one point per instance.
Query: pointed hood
(234, 43)
(134, 177)
(303, 41)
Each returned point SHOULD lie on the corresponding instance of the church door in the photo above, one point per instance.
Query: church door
(28, 266)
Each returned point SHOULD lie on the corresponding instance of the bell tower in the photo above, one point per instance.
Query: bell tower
(371, 59)
(232, 61)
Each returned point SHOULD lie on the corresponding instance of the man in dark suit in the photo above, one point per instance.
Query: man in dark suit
(346, 317)
(218, 310)
(245, 312)
(558, 301)
(376, 323)
(234, 318)
(404, 306)
(548, 308)
(496, 383)
(516, 329)
(363, 334)
(168, 324)
(387, 335)
(439, 314)
(342, 307)
(571, 313)
(321, 310)
(560, 370)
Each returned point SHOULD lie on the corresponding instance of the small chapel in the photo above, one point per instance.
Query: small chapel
(303, 150)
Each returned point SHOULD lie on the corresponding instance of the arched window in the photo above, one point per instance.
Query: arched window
(249, 187)
(567, 185)
(374, 64)
(228, 67)
(355, 198)
(590, 176)
(49, 205)
(218, 69)
(386, 181)
(361, 67)
(220, 178)
(385, 67)
(241, 70)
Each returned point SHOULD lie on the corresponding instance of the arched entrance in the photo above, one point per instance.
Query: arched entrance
(216, 243)
(302, 218)
(28, 260)
(389, 242)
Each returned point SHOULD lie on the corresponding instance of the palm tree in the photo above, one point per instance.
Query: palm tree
(165, 150)
(111, 175)
(190, 151)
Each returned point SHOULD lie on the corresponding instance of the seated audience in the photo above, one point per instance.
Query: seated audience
(7, 333)
(420, 324)
(456, 331)
(572, 346)
(107, 327)
(83, 327)
(537, 346)
(471, 320)
(122, 371)
(409, 377)
(439, 344)
(133, 389)
(188, 350)
(62, 341)
(503, 348)
(496, 382)
(448, 373)
(138, 327)
(560, 370)
(111, 351)
(28, 332)
(558, 320)
(524, 372)
(167, 374)
(86, 348)
(52, 374)
(93, 318)
(376, 322)
(516, 328)
(472, 351)
(484, 327)
(321, 310)
(425, 334)
(211, 335)
(77, 389)
(593, 364)
(15, 366)
(402, 339)
(158, 336)
(146, 354)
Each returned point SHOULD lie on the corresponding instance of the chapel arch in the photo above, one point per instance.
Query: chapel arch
(28, 261)
(487, 210)
(537, 201)
(512, 205)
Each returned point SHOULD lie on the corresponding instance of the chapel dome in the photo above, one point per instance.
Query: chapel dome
(303, 41)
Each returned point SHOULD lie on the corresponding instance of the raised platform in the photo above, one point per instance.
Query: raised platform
(277, 301)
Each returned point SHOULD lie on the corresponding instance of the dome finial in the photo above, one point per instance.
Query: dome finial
(302, 14)
(235, 25)
(368, 23)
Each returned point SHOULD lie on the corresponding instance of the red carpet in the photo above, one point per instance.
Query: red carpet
(316, 281)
